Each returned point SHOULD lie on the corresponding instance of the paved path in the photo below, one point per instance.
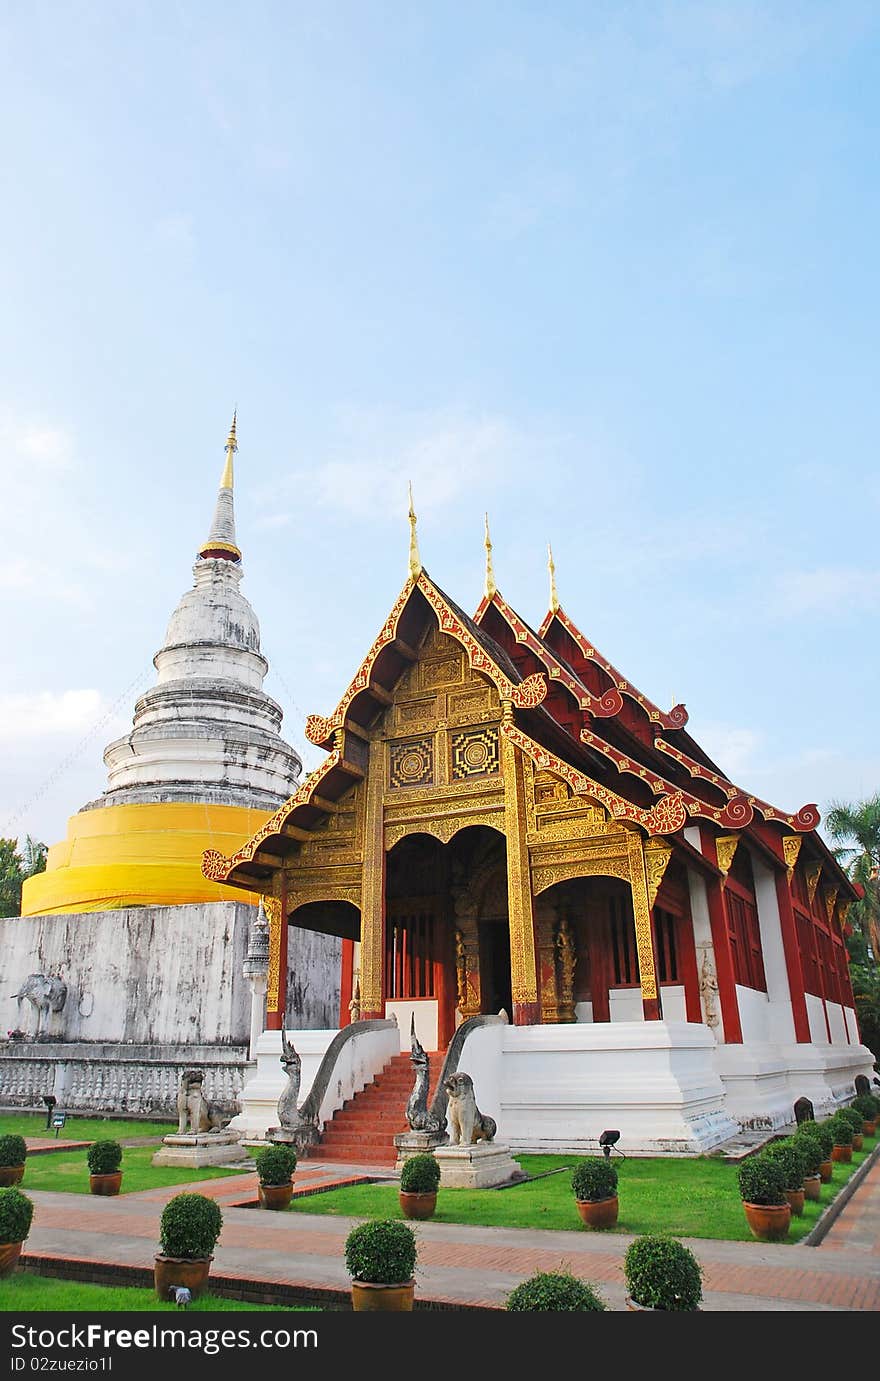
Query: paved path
(460, 1265)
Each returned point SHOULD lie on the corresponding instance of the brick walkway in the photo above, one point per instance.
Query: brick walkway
(460, 1265)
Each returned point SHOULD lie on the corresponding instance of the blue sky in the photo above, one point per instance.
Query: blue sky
(606, 270)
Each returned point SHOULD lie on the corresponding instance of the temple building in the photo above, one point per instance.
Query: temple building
(151, 952)
(504, 823)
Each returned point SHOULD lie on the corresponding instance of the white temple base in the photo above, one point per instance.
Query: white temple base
(198, 1149)
(481, 1166)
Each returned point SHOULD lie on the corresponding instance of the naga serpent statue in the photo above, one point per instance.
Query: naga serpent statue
(417, 1114)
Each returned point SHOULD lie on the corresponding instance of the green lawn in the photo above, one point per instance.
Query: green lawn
(691, 1198)
(81, 1128)
(23, 1292)
(68, 1170)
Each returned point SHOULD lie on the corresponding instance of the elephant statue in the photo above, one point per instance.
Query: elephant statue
(45, 995)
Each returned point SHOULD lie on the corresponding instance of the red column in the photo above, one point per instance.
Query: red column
(793, 964)
(687, 956)
(346, 982)
(723, 956)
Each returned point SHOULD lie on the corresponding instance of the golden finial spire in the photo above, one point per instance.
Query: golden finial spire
(554, 597)
(415, 561)
(490, 587)
(231, 448)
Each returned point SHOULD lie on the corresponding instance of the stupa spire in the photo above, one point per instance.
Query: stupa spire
(415, 561)
(489, 586)
(221, 542)
(554, 597)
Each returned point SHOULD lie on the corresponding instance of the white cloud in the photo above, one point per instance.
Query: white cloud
(35, 714)
(443, 454)
(28, 444)
(731, 746)
(828, 590)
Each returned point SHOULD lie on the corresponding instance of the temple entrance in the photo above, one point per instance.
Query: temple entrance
(447, 941)
(596, 915)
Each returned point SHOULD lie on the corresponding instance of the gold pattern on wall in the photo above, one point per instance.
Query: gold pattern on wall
(657, 856)
(725, 847)
(565, 944)
(548, 874)
(642, 917)
(829, 895)
(791, 847)
(373, 888)
(812, 872)
(303, 896)
(523, 967)
(474, 753)
(411, 763)
(444, 827)
(272, 908)
(842, 913)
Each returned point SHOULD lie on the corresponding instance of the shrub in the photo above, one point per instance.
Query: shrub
(789, 1154)
(420, 1175)
(761, 1181)
(16, 1212)
(662, 1273)
(275, 1163)
(852, 1116)
(382, 1252)
(104, 1157)
(594, 1179)
(558, 1291)
(821, 1133)
(841, 1129)
(190, 1226)
(867, 1106)
(812, 1151)
(13, 1150)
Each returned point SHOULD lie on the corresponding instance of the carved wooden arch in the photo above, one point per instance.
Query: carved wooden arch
(443, 830)
(547, 875)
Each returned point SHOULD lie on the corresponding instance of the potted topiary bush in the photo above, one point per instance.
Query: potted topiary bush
(104, 1159)
(854, 1118)
(188, 1230)
(841, 1129)
(762, 1186)
(789, 1154)
(419, 1181)
(275, 1167)
(13, 1154)
(824, 1136)
(556, 1291)
(381, 1258)
(16, 1212)
(867, 1106)
(813, 1157)
(594, 1184)
(662, 1273)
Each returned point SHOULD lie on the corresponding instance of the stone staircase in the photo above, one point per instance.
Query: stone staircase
(363, 1131)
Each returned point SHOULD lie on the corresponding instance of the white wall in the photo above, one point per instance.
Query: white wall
(781, 1021)
(754, 1014)
(816, 1016)
(625, 1004)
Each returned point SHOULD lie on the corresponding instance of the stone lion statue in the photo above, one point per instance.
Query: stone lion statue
(194, 1112)
(466, 1123)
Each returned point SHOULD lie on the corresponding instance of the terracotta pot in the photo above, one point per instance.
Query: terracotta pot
(858, 1141)
(869, 1128)
(179, 1270)
(842, 1153)
(769, 1222)
(386, 1298)
(417, 1205)
(105, 1184)
(812, 1186)
(598, 1213)
(9, 1254)
(10, 1174)
(826, 1170)
(276, 1195)
(795, 1199)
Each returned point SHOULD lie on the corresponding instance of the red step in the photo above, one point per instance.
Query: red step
(363, 1130)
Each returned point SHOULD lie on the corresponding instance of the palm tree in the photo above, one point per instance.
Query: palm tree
(855, 830)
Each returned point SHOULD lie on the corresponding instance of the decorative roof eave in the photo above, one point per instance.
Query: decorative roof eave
(676, 718)
(666, 816)
(806, 819)
(218, 868)
(736, 813)
(603, 706)
(523, 695)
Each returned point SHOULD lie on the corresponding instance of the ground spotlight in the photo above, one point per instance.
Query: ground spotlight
(608, 1140)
